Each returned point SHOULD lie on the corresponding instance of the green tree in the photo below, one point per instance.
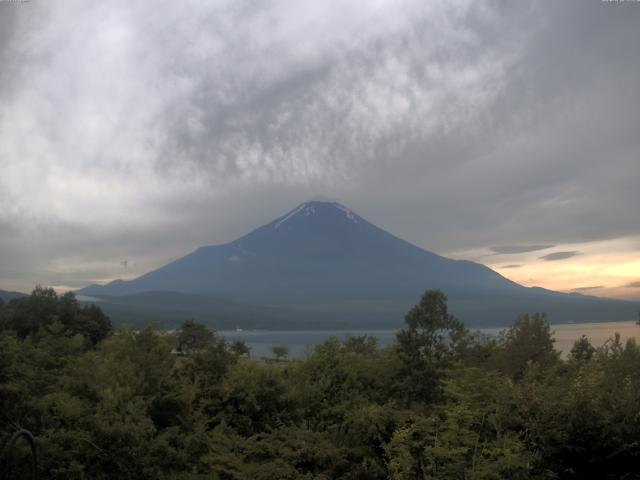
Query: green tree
(582, 349)
(194, 336)
(294, 453)
(466, 435)
(37, 313)
(240, 348)
(361, 345)
(280, 351)
(529, 339)
(427, 345)
(91, 322)
(333, 381)
(255, 398)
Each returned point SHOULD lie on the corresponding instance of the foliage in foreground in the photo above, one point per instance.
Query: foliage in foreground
(440, 403)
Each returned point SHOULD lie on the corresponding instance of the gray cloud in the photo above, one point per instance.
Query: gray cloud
(137, 131)
(512, 249)
(583, 289)
(559, 256)
(633, 285)
(511, 266)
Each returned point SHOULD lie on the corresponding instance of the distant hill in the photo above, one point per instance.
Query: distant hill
(321, 265)
(169, 309)
(6, 295)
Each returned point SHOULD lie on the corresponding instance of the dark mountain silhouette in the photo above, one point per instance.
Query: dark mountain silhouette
(7, 295)
(321, 261)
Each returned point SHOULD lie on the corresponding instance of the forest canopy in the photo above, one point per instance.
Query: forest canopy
(439, 403)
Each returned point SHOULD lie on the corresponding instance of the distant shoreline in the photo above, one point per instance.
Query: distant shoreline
(565, 334)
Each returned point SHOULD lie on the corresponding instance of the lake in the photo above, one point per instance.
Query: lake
(298, 341)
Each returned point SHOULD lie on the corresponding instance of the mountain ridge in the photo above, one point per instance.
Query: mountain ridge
(7, 295)
(323, 253)
(325, 232)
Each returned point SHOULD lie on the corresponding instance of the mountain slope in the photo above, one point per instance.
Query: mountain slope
(319, 251)
(6, 295)
(323, 257)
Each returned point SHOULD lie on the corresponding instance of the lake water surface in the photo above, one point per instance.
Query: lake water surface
(298, 341)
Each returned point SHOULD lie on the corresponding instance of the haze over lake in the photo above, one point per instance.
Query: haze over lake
(298, 341)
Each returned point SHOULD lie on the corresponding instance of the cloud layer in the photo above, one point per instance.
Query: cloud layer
(137, 131)
(509, 249)
(555, 256)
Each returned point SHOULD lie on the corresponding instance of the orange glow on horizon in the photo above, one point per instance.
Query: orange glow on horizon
(608, 268)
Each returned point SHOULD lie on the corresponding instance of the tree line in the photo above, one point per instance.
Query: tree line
(439, 403)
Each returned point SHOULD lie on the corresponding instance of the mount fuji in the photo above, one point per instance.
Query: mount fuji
(323, 266)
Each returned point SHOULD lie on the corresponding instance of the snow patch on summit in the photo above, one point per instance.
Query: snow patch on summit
(296, 211)
(309, 209)
(349, 214)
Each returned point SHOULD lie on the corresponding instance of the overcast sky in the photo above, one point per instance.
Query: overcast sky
(132, 132)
